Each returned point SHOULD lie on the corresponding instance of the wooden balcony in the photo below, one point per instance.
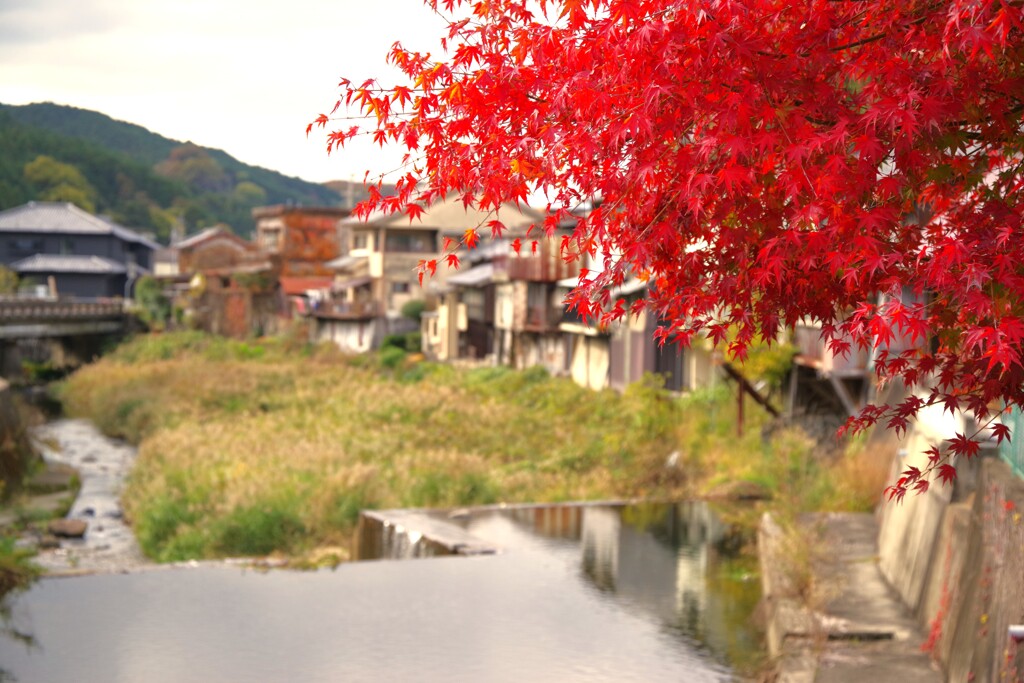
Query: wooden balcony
(544, 266)
(360, 310)
(542, 319)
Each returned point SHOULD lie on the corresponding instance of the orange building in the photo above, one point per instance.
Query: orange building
(302, 239)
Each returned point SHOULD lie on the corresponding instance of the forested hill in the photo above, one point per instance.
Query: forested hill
(141, 179)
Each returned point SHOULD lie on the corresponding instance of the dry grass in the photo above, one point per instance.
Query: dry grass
(248, 449)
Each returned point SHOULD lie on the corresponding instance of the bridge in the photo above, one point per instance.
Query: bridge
(35, 318)
(58, 332)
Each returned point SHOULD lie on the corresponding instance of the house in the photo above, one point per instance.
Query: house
(826, 388)
(377, 274)
(624, 352)
(461, 324)
(301, 240)
(213, 248)
(236, 301)
(78, 253)
(221, 283)
(529, 308)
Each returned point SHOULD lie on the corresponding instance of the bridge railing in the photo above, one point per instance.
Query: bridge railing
(17, 308)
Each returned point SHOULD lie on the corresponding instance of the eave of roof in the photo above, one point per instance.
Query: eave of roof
(53, 263)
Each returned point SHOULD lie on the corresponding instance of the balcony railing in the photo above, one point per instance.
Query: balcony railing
(540, 267)
(359, 310)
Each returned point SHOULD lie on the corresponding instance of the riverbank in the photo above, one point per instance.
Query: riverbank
(258, 448)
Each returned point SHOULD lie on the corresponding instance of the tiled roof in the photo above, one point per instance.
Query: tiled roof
(51, 263)
(208, 233)
(65, 218)
(295, 286)
(451, 216)
(198, 237)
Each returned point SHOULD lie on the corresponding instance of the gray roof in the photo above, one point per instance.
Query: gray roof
(450, 215)
(474, 277)
(208, 233)
(51, 263)
(65, 219)
(165, 255)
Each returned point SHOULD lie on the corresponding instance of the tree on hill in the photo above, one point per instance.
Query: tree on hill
(194, 166)
(760, 163)
(202, 187)
(59, 182)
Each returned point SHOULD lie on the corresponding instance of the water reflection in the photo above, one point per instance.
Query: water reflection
(576, 593)
(667, 562)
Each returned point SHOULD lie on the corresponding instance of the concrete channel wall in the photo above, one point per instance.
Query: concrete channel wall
(954, 557)
(959, 565)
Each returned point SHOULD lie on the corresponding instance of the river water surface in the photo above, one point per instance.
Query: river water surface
(573, 593)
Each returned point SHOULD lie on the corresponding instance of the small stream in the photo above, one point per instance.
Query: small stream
(102, 464)
(577, 592)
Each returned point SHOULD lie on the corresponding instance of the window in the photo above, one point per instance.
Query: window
(360, 241)
(67, 246)
(400, 287)
(270, 239)
(25, 246)
(474, 300)
(416, 242)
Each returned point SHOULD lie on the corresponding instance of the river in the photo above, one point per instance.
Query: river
(102, 464)
(586, 593)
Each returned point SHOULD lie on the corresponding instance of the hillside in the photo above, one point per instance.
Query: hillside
(140, 178)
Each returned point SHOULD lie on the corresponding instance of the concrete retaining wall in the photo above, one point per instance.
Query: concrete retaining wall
(959, 564)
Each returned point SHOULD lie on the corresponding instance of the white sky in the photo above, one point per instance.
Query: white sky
(245, 76)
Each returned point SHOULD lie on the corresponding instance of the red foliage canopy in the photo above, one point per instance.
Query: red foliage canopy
(760, 162)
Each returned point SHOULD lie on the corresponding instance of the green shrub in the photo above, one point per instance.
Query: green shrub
(154, 306)
(16, 568)
(42, 372)
(158, 523)
(408, 341)
(391, 357)
(413, 309)
(257, 529)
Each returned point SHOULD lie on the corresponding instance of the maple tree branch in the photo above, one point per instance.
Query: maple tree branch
(879, 36)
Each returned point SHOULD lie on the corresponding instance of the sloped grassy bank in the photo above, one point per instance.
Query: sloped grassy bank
(252, 448)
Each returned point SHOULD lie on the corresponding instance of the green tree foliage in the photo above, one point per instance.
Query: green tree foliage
(118, 160)
(154, 307)
(193, 166)
(248, 193)
(8, 281)
(413, 309)
(148, 149)
(59, 182)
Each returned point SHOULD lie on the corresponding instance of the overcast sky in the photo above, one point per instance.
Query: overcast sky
(241, 75)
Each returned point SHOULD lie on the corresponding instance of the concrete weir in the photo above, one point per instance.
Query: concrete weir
(407, 534)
